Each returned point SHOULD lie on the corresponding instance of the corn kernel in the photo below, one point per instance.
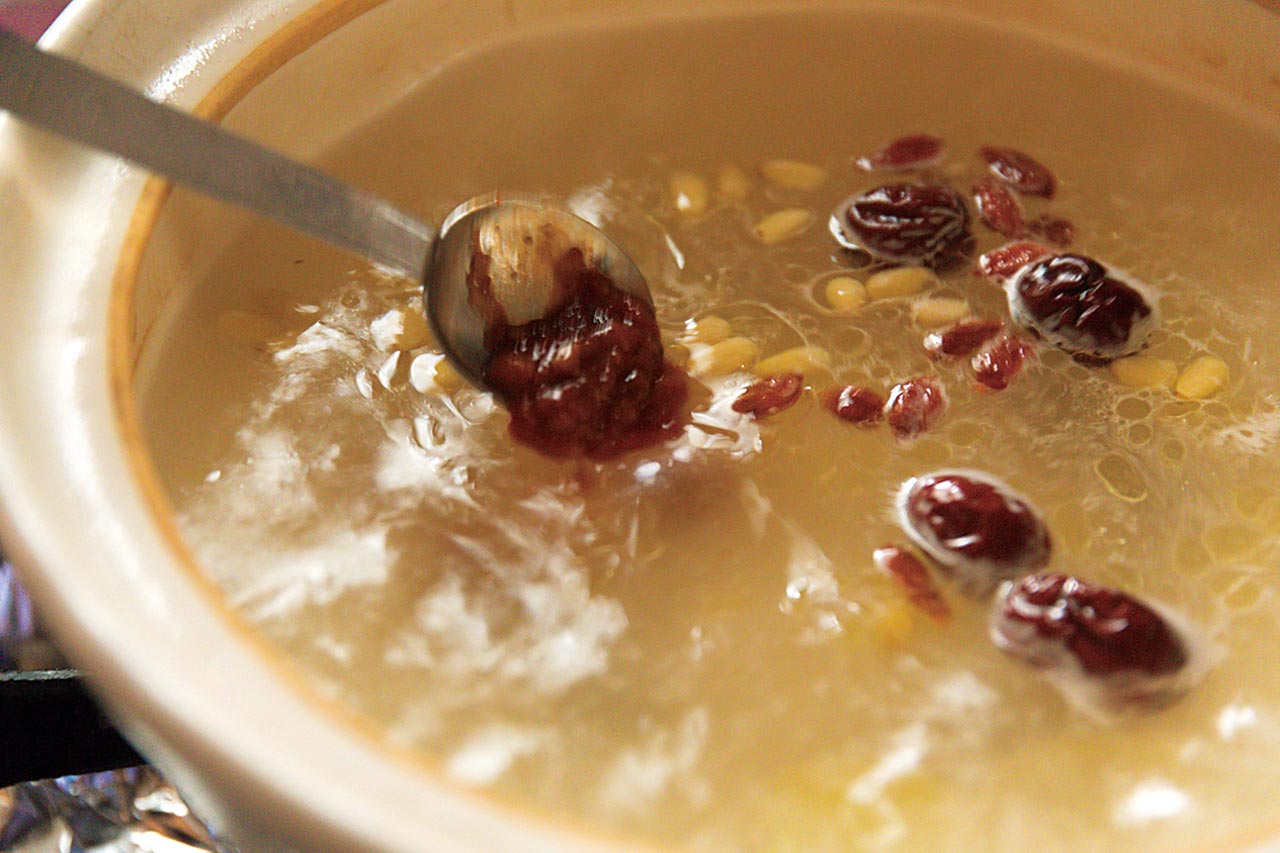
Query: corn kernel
(933, 312)
(707, 330)
(802, 359)
(845, 294)
(689, 193)
(733, 183)
(1202, 378)
(724, 357)
(899, 281)
(794, 174)
(782, 224)
(1144, 371)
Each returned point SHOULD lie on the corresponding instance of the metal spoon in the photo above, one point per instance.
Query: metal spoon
(519, 233)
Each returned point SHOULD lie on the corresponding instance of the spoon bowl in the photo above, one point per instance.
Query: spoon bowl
(519, 235)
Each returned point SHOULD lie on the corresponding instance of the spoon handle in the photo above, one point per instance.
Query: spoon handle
(71, 100)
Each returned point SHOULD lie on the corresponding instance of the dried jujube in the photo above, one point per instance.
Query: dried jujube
(922, 224)
(974, 525)
(1080, 305)
(1105, 649)
(1019, 170)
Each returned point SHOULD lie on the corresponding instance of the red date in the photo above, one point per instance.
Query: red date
(961, 338)
(1075, 303)
(1001, 362)
(1104, 631)
(1006, 261)
(998, 208)
(974, 525)
(905, 152)
(770, 395)
(905, 568)
(854, 404)
(906, 224)
(1020, 171)
(913, 406)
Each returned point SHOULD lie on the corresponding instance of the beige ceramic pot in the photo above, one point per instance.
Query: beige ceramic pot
(231, 723)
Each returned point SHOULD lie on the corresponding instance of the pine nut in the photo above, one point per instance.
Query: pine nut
(733, 183)
(1144, 371)
(937, 311)
(782, 224)
(706, 330)
(689, 193)
(1202, 378)
(724, 357)
(794, 174)
(844, 294)
(899, 281)
(802, 359)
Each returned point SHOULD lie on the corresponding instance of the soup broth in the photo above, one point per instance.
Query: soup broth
(691, 645)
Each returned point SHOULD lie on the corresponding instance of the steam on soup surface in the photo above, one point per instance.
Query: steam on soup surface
(692, 644)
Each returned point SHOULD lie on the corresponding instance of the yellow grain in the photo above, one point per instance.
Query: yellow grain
(1202, 378)
(844, 294)
(793, 174)
(1144, 371)
(724, 357)
(899, 281)
(802, 359)
(689, 193)
(782, 224)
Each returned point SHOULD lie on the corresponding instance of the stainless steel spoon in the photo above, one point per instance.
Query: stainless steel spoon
(519, 233)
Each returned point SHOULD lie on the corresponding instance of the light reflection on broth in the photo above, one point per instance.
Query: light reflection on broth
(691, 644)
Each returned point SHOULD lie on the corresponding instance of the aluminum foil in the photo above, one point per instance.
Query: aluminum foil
(122, 811)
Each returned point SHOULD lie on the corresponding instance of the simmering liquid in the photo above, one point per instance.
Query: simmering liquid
(691, 645)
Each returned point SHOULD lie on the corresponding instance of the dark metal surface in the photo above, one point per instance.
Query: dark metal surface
(50, 727)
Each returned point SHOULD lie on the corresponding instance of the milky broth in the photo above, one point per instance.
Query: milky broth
(690, 645)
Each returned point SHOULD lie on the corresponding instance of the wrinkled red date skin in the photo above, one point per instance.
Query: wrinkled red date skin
(907, 224)
(1020, 171)
(976, 521)
(906, 568)
(914, 406)
(1006, 261)
(1000, 363)
(1073, 296)
(589, 380)
(854, 404)
(998, 208)
(1107, 631)
(905, 152)
(962, 338)
(770, 395)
